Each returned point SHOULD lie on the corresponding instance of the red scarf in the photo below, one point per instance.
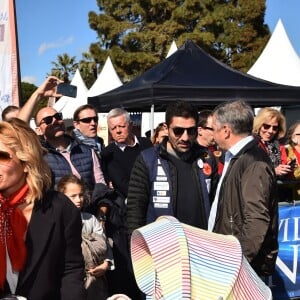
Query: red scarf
(13, 226)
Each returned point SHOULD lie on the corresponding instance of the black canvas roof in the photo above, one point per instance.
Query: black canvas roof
(191, 74)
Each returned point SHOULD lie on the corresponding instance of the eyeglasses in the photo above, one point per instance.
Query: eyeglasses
(178, 131)
(48, 120)
(208, 128)
(89, 119)
(267, 126)
(5, 157)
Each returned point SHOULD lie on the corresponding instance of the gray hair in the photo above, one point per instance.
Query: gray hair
(116, 112)
(237, 114)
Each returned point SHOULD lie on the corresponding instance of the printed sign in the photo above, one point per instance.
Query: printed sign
(285, 283)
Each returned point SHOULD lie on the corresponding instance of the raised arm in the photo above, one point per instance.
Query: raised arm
(46, 89)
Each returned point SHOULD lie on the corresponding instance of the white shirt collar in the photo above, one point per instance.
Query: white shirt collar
(235, 149)
(122, 146)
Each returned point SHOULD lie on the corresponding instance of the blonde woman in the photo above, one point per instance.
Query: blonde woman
(270, 126)
(40, 230)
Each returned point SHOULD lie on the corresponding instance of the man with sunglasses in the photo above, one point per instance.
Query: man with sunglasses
(169, 179)
(205, 139)
(66, 155)
(85, 121)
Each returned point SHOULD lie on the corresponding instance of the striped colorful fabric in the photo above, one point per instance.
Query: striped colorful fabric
(172, 260)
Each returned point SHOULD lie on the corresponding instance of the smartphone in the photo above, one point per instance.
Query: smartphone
(67, 90)
(293, 162)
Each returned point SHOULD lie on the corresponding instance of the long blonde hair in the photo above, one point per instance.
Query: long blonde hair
(20, 138)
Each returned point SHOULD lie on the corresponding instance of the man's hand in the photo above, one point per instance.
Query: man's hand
(48, 87)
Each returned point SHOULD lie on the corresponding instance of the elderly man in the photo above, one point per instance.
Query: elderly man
(119, 156)
(117, 161)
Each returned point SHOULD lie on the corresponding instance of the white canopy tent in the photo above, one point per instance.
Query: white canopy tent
(172, 49)
(279, 62)
(68, 105)
(107, 80)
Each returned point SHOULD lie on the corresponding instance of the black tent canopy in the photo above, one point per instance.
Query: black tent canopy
(192, 75)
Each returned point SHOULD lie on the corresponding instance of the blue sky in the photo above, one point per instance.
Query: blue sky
(48, 29)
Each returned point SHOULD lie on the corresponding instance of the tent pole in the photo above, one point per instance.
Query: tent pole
(152, 119)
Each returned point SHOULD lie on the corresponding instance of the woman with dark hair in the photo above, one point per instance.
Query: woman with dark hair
(293, 153)
(40, 230)
(159, 133)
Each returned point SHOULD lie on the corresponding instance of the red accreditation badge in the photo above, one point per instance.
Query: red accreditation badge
(207, 169)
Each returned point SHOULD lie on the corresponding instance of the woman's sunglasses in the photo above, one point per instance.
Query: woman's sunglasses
(48, 120)
(178, 131)
(5, 157)
(267, 127)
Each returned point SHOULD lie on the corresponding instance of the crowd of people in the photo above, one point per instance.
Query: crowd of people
(69, 204)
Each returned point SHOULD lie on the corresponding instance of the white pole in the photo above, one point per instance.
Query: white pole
(152, 119)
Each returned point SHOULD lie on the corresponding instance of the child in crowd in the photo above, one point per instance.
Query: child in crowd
(95, 248)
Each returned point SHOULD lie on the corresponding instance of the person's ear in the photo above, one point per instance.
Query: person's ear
(199, 131)
(38, 131)
(227, 131)
(76, 124)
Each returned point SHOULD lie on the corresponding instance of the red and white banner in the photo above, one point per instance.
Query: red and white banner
(9, 92)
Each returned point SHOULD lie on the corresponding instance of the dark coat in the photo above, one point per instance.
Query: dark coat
(55, 267)
(117, 164)
(248, 206)
(140, 186)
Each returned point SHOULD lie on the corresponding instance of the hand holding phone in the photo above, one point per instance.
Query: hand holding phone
(67, 90)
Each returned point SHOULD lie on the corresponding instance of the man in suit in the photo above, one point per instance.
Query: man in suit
(245, 203)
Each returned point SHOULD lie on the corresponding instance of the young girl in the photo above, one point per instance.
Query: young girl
(96, 251)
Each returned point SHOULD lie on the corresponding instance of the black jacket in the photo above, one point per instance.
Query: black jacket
(54, 267)
(116, 164)
(140, 187)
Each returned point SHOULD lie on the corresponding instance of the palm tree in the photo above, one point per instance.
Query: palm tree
(64, 67)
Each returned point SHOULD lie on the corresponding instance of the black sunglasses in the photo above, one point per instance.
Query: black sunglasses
(5, 157)
(48, 120)
(178, 131)
(267, 126)
(89, 119)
